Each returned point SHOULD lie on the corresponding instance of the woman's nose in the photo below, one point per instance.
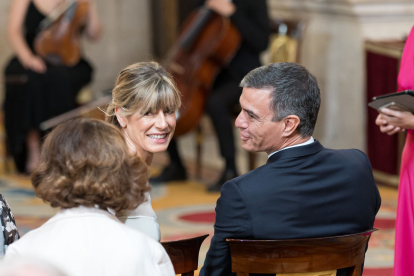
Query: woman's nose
(161, 121)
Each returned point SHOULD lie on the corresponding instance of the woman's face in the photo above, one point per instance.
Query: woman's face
(151, 132)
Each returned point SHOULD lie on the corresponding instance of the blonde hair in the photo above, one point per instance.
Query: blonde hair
(143, 87)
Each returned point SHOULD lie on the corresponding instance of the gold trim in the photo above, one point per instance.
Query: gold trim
(395, 52)
(386, 178)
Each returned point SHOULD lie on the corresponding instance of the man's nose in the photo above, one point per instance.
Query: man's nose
(241, 121)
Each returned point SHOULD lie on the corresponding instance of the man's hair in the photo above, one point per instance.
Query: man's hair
(294, 91)
(87, 162)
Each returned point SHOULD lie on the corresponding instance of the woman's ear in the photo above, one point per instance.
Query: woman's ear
(120, 117)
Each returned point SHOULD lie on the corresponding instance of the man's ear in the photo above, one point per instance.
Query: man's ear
(120, 116)
(291, 124)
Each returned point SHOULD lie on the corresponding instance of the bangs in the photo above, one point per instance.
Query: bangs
(158, 96)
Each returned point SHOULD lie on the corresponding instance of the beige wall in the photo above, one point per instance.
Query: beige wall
(126, 39)
(333, 50)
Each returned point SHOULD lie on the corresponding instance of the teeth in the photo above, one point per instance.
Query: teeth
(157, 136)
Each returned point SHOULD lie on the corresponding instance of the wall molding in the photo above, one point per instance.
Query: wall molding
(364, 9)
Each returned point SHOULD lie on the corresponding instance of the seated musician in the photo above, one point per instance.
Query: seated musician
(251, 20)
(35, 89)
(304, 190)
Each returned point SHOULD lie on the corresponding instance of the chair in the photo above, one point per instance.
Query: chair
(184, 254)
(299, 255)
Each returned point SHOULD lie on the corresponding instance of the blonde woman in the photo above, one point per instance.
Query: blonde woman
(144, 102)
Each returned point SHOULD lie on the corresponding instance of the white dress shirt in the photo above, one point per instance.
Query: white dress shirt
(310, 141)
(90, 241)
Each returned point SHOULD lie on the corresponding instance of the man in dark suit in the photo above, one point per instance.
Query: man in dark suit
(304, 190)
(251, 20)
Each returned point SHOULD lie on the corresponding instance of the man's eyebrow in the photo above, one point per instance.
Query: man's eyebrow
(251, 113)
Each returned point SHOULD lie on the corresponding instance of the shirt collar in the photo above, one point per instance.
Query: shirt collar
(310, 141)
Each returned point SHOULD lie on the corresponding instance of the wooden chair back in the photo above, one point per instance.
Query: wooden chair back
(299, 255)
(184, 254)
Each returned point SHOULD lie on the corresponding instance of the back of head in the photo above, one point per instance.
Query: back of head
(294, 91)
(143, 87)
(87, 162)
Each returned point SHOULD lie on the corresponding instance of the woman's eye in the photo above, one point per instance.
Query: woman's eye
(148, 114)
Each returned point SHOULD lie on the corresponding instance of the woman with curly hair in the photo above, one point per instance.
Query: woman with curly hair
(144, 102)
(85, 169)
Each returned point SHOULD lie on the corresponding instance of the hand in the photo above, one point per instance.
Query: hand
(35, 63)
(222, 7)
(402, 119)
(385, 127)
(392, 121)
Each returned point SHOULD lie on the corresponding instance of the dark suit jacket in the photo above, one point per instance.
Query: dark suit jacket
(301, 192)
(252, 21)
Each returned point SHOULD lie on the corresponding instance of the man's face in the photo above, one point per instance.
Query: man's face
(257, 130)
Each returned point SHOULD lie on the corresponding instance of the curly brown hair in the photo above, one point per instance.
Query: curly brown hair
(87, 162)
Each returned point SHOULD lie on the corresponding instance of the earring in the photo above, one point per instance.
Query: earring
(122, 124)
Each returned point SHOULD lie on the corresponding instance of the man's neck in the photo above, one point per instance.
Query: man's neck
(296, 140)
(292, 141)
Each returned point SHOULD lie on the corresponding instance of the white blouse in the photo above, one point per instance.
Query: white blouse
(143, 218)
(89, 241)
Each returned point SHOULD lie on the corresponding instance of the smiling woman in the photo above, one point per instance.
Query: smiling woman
(144, 102)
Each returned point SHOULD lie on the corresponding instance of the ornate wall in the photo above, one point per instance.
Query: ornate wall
(333, 50)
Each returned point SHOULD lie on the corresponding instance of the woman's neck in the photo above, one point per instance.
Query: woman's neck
(144, 155)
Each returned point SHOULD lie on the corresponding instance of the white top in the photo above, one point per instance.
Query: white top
(310, 141)
(143, 210)
(89, 241)
(143, 218)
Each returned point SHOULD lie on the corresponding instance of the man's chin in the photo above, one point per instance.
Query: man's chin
(247, 146)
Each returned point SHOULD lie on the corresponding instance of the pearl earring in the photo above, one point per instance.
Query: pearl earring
(122, 124)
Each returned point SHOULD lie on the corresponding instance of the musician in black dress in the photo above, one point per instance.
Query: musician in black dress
(251, 20)
(35, 90)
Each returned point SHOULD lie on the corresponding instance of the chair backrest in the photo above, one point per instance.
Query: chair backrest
(299, 255)
(184, 254)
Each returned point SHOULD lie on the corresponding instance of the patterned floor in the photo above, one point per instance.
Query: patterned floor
(185, 210)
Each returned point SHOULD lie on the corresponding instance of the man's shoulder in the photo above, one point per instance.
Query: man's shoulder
(350, 155)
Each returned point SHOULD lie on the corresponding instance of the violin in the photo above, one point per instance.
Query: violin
(206, 44)
(58, 42)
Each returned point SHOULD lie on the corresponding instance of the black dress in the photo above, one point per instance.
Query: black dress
(252, 21)
(32, 98)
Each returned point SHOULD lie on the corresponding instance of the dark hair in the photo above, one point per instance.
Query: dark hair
(294, 91)
(87, 162)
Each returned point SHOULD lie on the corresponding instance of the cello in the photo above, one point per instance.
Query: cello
(207, 43)
(58, 41)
